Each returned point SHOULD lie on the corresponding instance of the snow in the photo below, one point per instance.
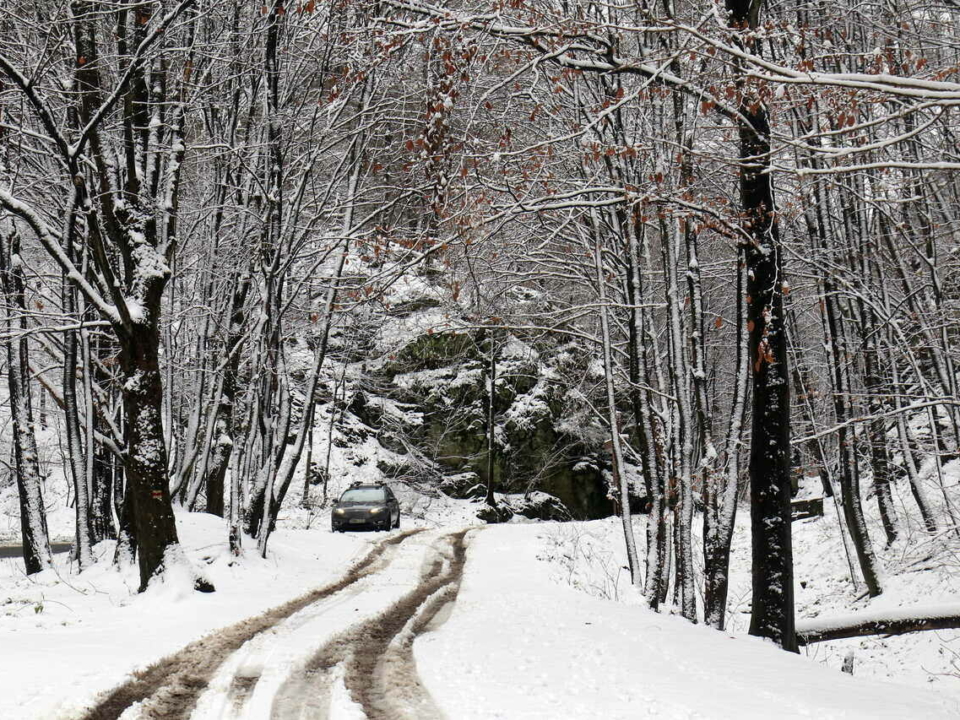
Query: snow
(546, 623)
(176, 583)
(150, 264)
(834, 622)
(922, 574)
(135, 309)
(446, 378)
(272, 656)
(398, 331)
(67, 638)
(399, 412)
(519, 645)
(515, 349)
(528, 408)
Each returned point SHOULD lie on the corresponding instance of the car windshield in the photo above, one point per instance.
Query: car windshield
(364, 495)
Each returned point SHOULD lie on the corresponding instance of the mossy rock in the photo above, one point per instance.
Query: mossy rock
(434, 351)
(406, 309)
(489, 514)
(540, 506)
(462, 485)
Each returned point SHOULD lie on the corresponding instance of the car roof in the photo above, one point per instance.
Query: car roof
(367, 486)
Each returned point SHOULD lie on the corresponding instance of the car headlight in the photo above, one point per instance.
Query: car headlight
(376, 511)
(339, 511)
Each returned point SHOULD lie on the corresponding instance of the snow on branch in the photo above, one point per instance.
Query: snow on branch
(885, 622)
(870, 418)
(590, 53)
(883, 165)
(944, 93)
(138, 58)
(43, 112)
(51, 243)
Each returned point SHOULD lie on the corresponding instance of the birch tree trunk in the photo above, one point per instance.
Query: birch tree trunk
(683, 418)
(490, 499)
(643, 419)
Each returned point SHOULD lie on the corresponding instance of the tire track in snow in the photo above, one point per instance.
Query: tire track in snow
(374, 659)
(169, 689)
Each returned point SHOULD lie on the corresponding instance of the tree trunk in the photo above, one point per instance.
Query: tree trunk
(126, 550)
(903, 431)
(846, 440)
(643, 422)
(33, 519)
(491, 418)
(773, 606)
(235, 536)
(153, 525)
(877, 428)
(804, 393)
(720, 509)
(619, 471)
(683, 416)
(75, 446)
(867, 623)
(101, 517)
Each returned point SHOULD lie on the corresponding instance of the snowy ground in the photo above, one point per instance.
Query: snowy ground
(545, 626)
(919, 570)
(67, 637)
(519, 645)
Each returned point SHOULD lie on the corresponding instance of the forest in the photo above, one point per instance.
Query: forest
(725, 236)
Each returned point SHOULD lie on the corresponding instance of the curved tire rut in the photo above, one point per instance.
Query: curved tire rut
(171, 687)
(375, 657)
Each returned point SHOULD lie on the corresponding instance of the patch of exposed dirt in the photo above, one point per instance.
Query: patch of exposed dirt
(380, 671)
(242, 688)
(170, 688)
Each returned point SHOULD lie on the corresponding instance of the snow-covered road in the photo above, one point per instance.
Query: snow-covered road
(16, 551)
(352, 640)
(341, 651)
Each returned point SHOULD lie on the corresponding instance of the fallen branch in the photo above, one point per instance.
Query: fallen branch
(893, 622)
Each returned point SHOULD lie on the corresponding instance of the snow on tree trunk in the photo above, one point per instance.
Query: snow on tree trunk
(224, 430)
(773, 606)
(896, 621)
(848, 471)
(643, 420)
(491, 433)
(720, 510)
(33, 520)
(906, 449)
(877, 428)
(153, 523)
(680, 387)
(772, 614)
(76, 449)
(619, 471)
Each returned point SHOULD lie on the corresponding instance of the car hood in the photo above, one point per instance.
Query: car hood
(358, 506)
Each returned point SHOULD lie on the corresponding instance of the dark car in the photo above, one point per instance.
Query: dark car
(366, 506)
